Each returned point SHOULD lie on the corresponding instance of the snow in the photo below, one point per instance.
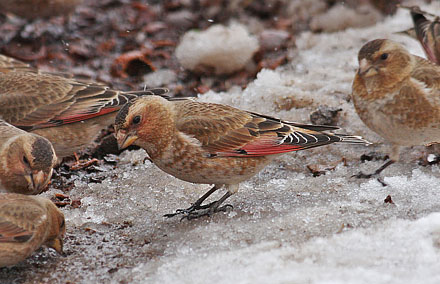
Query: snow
(223, 49)
(286, 226)
(162, 77)
(340, 17)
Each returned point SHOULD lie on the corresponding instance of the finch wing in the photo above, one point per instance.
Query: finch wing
(20, 218)
(10, 232)
(428, 73)
(227, 131)
(37, 100)
(9, 64)
(428, 33)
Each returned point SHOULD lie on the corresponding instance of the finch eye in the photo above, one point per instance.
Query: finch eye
(137, 119)
(26, 161)
(384, 56)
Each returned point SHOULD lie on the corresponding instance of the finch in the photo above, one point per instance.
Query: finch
(396, 94)
(26, 160)
(69, 112)
(32, 9)
(27, 223)
(212, 143)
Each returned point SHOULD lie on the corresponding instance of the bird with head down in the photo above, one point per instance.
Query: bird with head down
(26, 160)
(27, 223)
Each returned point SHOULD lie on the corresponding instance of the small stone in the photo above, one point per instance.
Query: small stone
(325, 115)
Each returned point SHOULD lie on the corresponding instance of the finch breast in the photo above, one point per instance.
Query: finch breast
(389, 116)
(191, 163)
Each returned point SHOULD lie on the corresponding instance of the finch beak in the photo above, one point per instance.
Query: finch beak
(366, 69)
(124, 139)
(29, 180)
(57, 244)
(37, 180)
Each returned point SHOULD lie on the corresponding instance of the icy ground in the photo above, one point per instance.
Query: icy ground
(286, 226)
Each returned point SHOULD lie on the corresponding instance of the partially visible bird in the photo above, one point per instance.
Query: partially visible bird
(212, 143)
(32, 9)
(396, 94)
(27, 223)
(70, 112)
(11, 64)
(426, 31)
(26, 160)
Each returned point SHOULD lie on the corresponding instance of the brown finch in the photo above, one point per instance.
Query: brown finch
(211, 143)
(26, 160)
(69, 112)
(31, 9)
(396, 94)
(27, 223)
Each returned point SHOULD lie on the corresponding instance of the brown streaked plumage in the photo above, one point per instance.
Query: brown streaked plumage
(68, 111)
(426, 31)
(32, 9)
(27, 223)
(212, 143)
(10, 64)
(396, 94)
(26, 160)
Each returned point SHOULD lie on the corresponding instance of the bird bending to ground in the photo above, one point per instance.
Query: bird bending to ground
(26, 160)
(27, 223)
(212, 143)
(396, 94)
(69, 112)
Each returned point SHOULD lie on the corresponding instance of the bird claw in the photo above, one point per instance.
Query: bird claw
(206, 212)
(194, 212)
(366, 176)
(184, 211)
(362, 175)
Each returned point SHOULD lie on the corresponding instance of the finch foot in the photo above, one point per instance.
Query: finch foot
(197, 210)
(82, 164)
(207, 211)
(376, 173)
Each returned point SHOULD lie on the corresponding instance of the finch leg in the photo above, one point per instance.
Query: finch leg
(206, 209)
(195, 206)
(376, 172)
(81, 164)
(210, 208)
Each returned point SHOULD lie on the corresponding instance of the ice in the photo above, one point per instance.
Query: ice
(380, 254)
(286, 225)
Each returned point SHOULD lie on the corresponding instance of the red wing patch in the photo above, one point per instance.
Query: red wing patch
(269, 145)
(62, 120)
